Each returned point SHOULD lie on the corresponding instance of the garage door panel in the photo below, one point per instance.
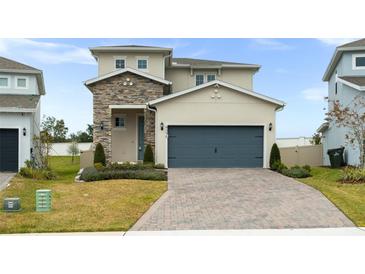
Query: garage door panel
(215, 146)
(9, 150)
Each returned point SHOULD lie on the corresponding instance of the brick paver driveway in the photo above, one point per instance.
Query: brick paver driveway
(239, 199)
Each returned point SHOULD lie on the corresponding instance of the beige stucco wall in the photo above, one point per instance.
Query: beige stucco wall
(124, 141)
(182, 79)
(198, 108)
(156, 67)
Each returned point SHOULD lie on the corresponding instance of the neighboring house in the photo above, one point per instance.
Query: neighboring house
(20, 89)
(194, 113)
(293, 142)
(346, 79)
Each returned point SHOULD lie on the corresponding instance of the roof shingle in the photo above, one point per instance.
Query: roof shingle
(199, 62)
(19, 101)
(357, 43)
(6, 63)
(357, 80)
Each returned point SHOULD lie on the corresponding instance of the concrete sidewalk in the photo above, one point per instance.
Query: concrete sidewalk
(5, 178)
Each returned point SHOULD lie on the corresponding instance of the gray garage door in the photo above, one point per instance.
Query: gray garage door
(8, 149)
(215, 146)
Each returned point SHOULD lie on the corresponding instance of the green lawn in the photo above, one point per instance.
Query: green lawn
(349, 198)
(113, 205)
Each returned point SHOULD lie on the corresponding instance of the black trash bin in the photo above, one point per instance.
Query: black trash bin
(336, 157)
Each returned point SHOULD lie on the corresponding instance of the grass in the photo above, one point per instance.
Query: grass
(349, 198)
(113, 205)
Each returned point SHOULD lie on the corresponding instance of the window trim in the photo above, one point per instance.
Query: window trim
(205, 77)
(354, 56)
(120, 58)
(142, 58)
(196, 74)
(215, 76)
(7, 77)
(124, 116)
(26, 82)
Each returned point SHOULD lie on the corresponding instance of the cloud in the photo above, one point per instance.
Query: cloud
(197, 53)
(316, 94)
(270, 44)
(45, 52)
(336, 41)
(281, 71)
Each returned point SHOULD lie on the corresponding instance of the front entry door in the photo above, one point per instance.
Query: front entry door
(140, 145)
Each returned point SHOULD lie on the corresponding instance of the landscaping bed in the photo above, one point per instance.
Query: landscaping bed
(113, 205)
(124, 171)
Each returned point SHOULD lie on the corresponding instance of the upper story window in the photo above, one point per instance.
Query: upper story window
(202, 78)
(199, 79)
(21, 82)
(119, 62)
(358, 61)
(210, 77)
(142, 63)
(4, 82)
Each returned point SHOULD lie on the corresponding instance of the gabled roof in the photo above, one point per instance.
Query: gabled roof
(121, 71)
(221, 83)
(356, 82)
(130, 48)
(358, 45)
(13, 103)
(323, 127)
(11, 66)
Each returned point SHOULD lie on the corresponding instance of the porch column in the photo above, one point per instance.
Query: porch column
(149, 129)
(103, 130)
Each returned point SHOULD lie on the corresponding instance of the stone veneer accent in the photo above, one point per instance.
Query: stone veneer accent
(111, 91)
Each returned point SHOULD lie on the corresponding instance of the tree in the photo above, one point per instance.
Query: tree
(148, 155)
(73, 150)
(351, 117)
(55, 128)
(274, 155)
(99, 155)
(316, 139)
(83, 136)
(42, 148)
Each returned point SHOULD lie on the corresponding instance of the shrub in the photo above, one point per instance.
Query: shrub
(295, 172)
(148, 155)
(99, 156)
(307, 168)
(278, 166)
(99, 166)
(38, 174)
(92, 174)
(126, 166)
(274, 155)
(353, 175)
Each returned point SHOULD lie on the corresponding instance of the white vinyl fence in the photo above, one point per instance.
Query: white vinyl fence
(60, 149)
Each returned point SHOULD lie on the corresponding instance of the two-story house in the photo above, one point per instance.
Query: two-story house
(345, 75)
(20, 89)
(194, 113)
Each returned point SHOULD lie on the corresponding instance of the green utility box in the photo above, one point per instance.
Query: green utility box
(43, 200)
(12, 204)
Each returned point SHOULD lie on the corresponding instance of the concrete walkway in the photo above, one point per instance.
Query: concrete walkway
(214, 199)
(5, 178)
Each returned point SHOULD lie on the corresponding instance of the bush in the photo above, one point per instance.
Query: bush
(148, 155)
(92, 174)
(353, 175)
(274, 155)
(127, 166)
(307, 168)
(278, 166)
(99, 166)
(99, 156)
(296, 172)
(38, 174)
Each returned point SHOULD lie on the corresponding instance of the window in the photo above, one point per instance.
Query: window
(4, 82)
(199, 79)
(210, 77)
(119, 63)
(336, 88)
(142, 63)
(358, 61)
(21, 82)
(120, 122)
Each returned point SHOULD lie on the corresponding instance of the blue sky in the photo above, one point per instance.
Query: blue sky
(291, 71)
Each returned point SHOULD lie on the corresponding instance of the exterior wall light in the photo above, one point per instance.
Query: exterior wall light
(101, 125)
(270, 126)
(161, 126)
(24, 131)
